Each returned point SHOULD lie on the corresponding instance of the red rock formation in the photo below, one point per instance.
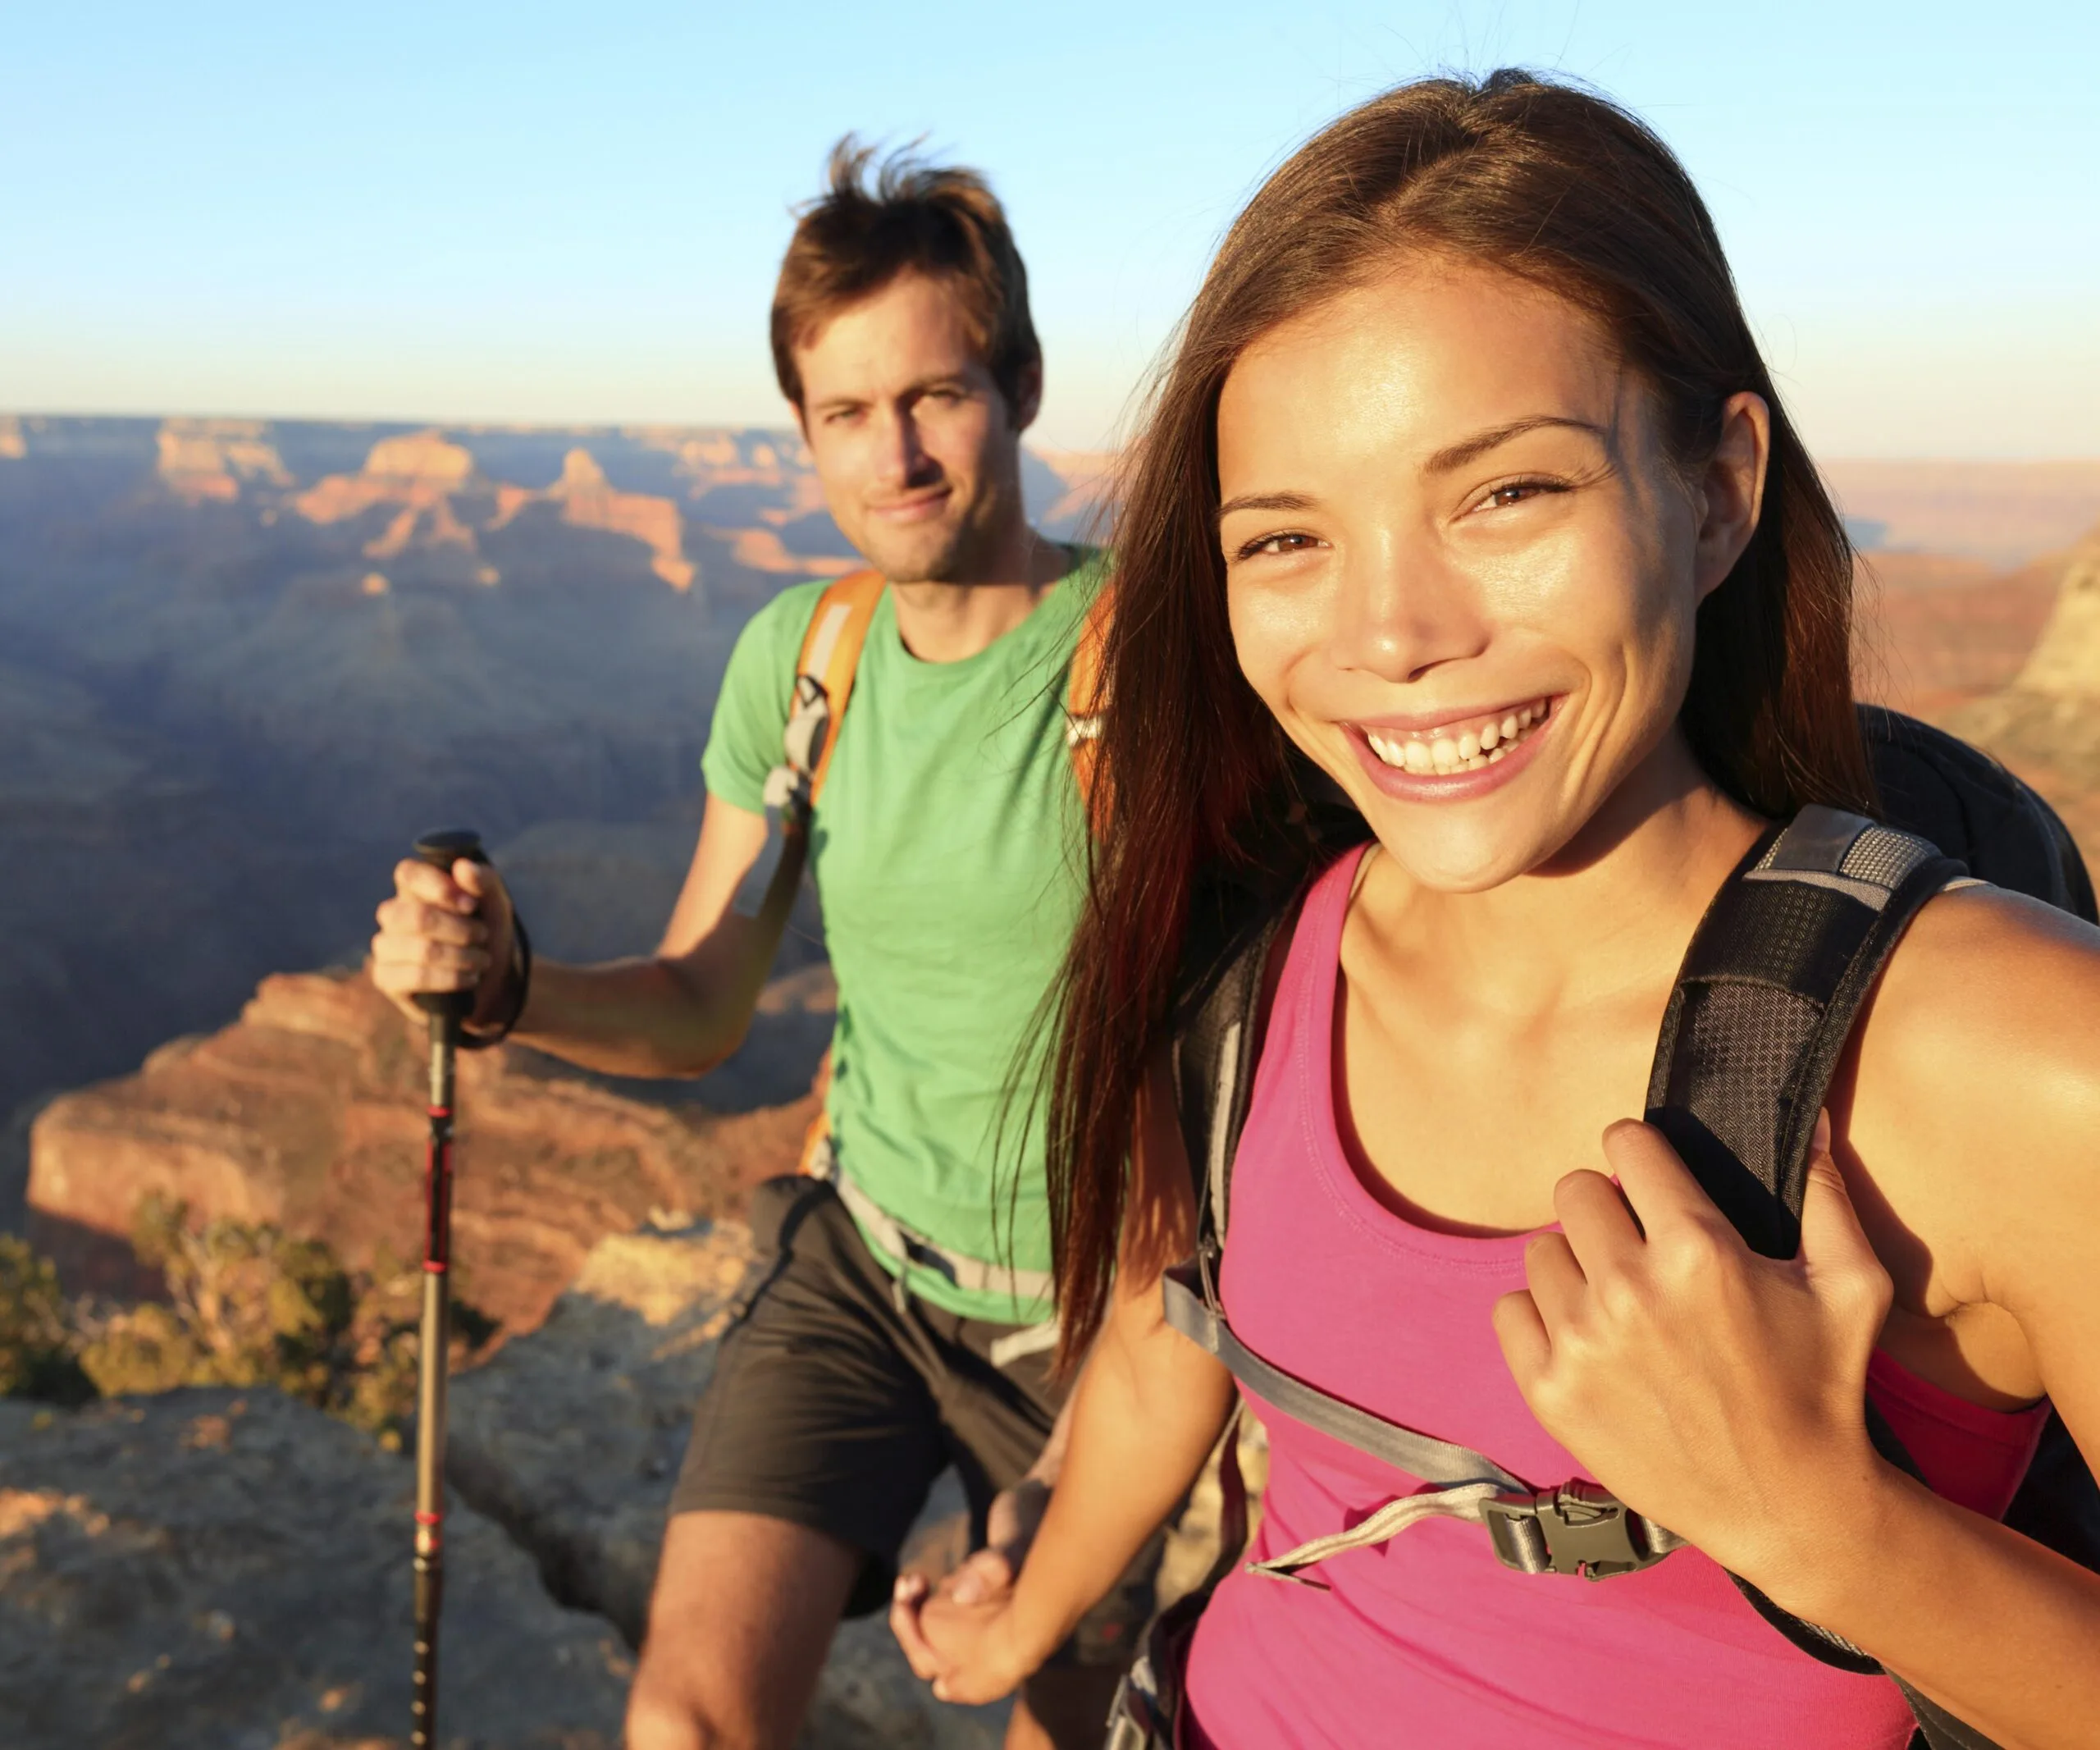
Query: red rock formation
(1934, 632)
(418, 474)
(427, 481)
(588, 500)
(202, 458)
(308, 1112)
(762, 550)
(2045, 723)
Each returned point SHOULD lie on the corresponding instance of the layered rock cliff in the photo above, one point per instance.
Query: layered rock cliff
(242, 663)
(2046, 724)
(308, 1113)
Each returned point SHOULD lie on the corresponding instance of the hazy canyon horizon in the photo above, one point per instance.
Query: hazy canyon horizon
(242, 661)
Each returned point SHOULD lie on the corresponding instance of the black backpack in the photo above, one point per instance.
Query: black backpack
(1763, 1005)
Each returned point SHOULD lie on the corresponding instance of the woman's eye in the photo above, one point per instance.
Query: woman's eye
(1279, 544)
(1516, 492)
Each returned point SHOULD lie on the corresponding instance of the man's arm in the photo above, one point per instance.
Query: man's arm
(679, 1012)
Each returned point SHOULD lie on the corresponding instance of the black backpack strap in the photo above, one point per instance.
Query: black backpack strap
(1766, 999)
(1216, 1045)
(1768, 996)
(1936, 786)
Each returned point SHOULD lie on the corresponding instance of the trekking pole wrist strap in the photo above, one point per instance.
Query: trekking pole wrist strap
(519, 979)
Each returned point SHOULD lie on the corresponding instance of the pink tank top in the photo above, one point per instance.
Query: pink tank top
(1428, 1640)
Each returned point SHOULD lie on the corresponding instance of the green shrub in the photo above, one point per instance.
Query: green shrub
(38, 1341)
(248, 1305)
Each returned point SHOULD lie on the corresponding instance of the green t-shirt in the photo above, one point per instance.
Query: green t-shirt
(947, 856)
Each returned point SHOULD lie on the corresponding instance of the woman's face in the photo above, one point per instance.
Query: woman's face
(1462, 568)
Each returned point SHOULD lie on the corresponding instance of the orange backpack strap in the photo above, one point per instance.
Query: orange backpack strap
(824, 682)
(1085, 695)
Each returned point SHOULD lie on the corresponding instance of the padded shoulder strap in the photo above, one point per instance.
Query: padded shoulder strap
(1213, 1057)
(1766, 999)
(823, 673)
(1770, 992)
(1085, 693)
(1972, 808)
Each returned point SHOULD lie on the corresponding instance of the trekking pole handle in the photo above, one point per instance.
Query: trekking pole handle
(442, 850)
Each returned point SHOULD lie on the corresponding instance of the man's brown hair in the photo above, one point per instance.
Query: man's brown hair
(940, 221)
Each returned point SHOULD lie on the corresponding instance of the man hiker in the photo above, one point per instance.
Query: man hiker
(900, 1326)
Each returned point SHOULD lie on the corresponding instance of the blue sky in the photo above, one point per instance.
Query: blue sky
(573, 213)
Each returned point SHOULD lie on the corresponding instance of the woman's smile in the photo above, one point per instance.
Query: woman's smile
(1465, 756)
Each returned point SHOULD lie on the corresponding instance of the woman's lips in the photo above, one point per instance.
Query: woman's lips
(1457, 760)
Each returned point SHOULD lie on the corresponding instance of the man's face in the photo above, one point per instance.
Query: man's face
(918, 451)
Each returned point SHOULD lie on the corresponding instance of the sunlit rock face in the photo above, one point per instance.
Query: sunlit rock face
(308, 1113)
(2066, 660)
(202, 458)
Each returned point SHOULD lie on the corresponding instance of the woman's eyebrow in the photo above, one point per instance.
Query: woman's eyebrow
(1264, 501)
(1472, 449)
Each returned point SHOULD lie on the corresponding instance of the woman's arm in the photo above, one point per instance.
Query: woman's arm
(1146, 1411)
(1720, 1393)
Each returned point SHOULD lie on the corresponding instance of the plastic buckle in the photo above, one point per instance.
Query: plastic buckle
(1576, 1528)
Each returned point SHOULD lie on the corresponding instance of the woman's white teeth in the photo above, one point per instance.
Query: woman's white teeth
(1472, 749)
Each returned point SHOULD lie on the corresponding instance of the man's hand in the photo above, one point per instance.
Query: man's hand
(443, 931)
(964, 1601)
(965, 1650)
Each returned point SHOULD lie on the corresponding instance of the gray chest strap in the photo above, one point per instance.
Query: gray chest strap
(1576, 1528)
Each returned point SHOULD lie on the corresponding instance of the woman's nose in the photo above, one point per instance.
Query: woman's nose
(1400, 610)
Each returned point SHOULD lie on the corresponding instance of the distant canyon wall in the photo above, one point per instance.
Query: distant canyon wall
(243, 662)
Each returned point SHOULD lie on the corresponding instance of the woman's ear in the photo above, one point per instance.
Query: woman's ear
(1730, 492)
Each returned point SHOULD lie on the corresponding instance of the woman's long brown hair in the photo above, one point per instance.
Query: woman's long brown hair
(1560, 188)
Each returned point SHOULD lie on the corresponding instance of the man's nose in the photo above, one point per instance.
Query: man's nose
(906, 462)
(1402, 609)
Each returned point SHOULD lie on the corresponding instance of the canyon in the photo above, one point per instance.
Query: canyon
(242, 663)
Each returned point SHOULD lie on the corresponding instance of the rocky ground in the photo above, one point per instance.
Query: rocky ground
(571, 1438)
(214, 1569)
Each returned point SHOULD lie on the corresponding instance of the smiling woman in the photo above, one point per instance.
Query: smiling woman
(1466, 493)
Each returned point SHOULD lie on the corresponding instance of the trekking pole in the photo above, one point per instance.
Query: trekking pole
(446, 1009)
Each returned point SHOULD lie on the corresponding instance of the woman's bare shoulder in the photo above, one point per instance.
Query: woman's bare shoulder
(1975, 1094)
(1990, 985)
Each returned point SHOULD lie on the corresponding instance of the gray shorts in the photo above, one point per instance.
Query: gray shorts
(834, 1407)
